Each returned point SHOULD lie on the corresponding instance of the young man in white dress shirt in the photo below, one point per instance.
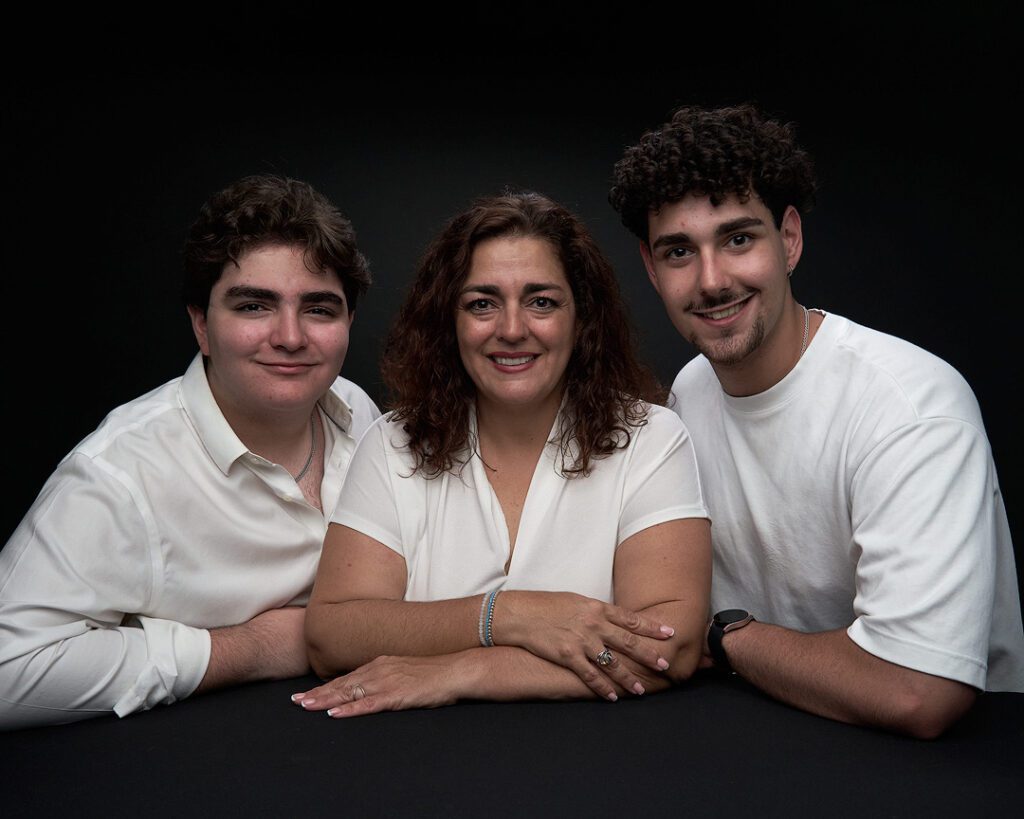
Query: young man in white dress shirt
(173, 550)
(863, 567)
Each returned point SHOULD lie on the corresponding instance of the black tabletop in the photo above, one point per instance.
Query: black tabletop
(714, 747)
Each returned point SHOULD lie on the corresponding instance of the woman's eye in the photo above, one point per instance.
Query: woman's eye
(478, 305)
(544, 303)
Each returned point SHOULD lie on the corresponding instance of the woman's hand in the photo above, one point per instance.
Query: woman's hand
(385, 684)
(583, 635)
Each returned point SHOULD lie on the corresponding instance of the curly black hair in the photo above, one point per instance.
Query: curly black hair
(715, 153)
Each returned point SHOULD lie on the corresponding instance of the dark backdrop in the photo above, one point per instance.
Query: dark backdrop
(114, 132)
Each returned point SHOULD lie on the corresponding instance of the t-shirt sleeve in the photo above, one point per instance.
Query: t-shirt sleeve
(924, 515)
(368, 502)
(662, 482)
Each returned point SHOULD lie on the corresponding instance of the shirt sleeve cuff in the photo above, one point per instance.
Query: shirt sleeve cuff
(178, 656)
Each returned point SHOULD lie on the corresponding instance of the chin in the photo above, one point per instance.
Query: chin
(727, 352)
(292, 401)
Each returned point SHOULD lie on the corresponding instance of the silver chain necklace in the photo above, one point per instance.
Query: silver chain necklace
(807, 327)
(312, 442)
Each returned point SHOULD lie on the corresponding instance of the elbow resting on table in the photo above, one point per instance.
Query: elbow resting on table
(321, 669)
(927, 709)
(684, 665)
(683, 662)
(322, 639)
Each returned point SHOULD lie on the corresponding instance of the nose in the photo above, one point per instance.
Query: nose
(713, 276)
(288, 332)
(512, 325)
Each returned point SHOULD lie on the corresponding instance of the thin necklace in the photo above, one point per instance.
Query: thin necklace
(803, 344)
(312, 446)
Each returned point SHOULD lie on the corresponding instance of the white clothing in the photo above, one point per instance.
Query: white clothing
(860, 492)
(451, 529)
(156, 527)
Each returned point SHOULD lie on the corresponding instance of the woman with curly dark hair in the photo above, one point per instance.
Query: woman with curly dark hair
(523, 456)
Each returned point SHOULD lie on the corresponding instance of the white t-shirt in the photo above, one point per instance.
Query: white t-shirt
(451, 529)
(156, 527)
(860, 492)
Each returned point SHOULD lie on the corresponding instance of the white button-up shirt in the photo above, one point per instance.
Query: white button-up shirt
(158, 526)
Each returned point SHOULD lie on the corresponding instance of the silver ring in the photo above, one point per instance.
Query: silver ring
(604, 658)
(358, 692)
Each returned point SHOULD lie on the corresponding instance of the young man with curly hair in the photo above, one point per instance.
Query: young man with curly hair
(863, 567)
(173, 550)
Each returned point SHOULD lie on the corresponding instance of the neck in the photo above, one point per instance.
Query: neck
(282, 438)
(501, 426)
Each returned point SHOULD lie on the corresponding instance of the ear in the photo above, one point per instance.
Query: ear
(792, 236)
(198, 318)
(645, 254)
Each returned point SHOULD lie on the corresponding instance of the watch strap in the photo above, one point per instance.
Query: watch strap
(716, 632)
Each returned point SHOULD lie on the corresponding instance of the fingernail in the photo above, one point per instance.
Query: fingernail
(613, 697)
(662, 663)
(297, 697)
(638, 689)
(308, 702)
(668, 630)
(332, 712)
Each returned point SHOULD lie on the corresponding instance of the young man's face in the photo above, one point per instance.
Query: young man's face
(275, 334)
(722, 273)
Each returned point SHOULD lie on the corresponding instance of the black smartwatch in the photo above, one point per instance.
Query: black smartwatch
(721, 624)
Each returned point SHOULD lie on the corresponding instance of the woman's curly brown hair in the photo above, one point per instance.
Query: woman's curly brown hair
(607, 388)
(713, 153)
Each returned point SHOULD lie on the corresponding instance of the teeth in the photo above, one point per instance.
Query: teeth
(721, 314)
(512, 362)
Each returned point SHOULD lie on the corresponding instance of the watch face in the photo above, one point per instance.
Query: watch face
(728, 616)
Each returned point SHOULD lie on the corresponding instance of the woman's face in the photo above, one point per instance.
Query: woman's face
(515, 320)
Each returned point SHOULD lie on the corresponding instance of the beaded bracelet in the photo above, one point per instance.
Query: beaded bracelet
(483, 617)
(488, 637)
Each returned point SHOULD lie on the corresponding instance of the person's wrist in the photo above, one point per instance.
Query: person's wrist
(503, 620)
(468, 674)
(723, 624)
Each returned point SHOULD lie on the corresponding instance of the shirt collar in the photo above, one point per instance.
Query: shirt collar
(216, 434)
(337, 408)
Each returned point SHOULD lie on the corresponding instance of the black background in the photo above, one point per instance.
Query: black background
(115, 129)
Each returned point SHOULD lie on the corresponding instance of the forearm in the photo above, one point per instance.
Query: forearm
(270, 646)
(235, 657)
(503, 672)
(395, 683)
(348, 635)
(345, 635)
(507, 673)
(826, 673)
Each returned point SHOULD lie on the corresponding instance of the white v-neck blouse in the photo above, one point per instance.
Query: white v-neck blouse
(451, 529)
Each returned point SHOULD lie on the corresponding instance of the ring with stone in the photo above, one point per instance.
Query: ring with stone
(604, 658)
